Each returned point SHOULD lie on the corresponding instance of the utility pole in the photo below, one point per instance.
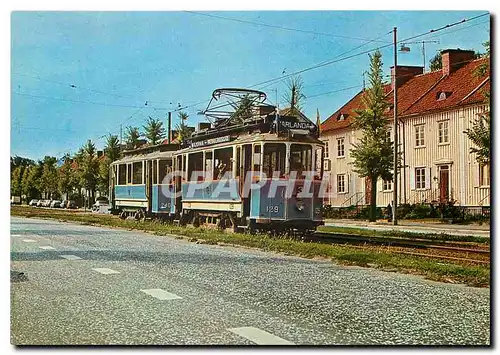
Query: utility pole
(395, 179)
(169, 134)
(121, 135)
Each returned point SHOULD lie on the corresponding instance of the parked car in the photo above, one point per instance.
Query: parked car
(15, 200)
(71, 204)
(46, 203)
(64, 203)
(33, 202)
(39, 203)
(55, 204)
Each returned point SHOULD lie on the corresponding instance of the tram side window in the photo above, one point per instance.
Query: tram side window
(137, 173)
(129, 173)
(208, 165)
(164, 169)
(155, 171)
(122, 174)
(223, 162)
(274, 159)
(300, 158)
(195, 163)
(257, 156)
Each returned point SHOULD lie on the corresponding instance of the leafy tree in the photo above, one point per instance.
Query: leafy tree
(132, 135)
(183, 130)
(242, 110)
(294, 96)
(19, 161)
(480, 131)
(31, 182)
(436, 62)
(88, 169)
(373, 154)
(66, 174)
(49, 176)
(154, 131)
(16, 181)
(112, 149)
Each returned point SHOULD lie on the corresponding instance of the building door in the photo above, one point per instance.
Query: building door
(444, 183)
(368, 190)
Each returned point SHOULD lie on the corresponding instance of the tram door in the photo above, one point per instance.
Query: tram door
(149, 183)
(247, 166)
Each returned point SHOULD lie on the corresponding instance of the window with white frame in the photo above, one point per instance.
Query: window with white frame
(420, 178)
(327, 152)
(484, 175)
(341, 183)
(340, 148)
(443, 132)
(419, 136)
(387, 185)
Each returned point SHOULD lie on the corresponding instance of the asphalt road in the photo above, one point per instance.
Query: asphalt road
(90, 285)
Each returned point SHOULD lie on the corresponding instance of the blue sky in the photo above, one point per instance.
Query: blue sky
(79, 75)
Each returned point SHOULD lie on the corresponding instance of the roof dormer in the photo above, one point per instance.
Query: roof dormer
(443, 95)
(342, 117)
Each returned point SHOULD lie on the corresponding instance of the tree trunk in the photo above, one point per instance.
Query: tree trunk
(373, 200)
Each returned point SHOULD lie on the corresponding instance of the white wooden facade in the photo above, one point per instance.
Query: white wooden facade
(441, 153)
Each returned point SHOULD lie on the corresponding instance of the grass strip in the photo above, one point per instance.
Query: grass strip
(438, 270)
(403, 234)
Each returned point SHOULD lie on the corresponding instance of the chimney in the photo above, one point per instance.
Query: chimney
(203, 126)
(405, 73)
(453, 59)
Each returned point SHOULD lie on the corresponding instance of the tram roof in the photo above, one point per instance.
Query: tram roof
(144, 156)
(255, 137)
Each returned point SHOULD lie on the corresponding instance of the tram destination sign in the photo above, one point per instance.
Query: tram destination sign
(211, 141)
(286, 124)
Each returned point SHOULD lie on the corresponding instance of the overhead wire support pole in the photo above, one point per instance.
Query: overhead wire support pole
(395, 179)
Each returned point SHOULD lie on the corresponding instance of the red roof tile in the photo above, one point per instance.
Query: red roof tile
(420, 94)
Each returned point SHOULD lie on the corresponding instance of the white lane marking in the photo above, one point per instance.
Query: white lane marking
(29, 241)
(45, 247)
(161, 294)
(260, 337)
(105, 271)
(16, 235)
(70, 257)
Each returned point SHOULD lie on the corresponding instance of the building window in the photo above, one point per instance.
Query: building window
(419, 136)
(341, 183)
(484, 175)
(326, 150)
(420, 178)
(340, 148)
(387, 185)
(443, 132)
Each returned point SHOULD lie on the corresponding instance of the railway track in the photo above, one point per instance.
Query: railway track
(438, 249)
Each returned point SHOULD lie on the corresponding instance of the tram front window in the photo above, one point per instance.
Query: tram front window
(300, 158)
(274, 159)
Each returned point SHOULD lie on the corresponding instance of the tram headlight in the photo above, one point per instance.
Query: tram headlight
(300, 205)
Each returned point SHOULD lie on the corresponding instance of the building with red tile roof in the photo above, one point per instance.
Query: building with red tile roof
(434, 110)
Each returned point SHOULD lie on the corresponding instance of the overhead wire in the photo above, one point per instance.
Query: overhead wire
(278, 27)
(334, 60)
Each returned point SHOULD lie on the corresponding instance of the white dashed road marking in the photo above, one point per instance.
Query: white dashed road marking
(16, 235)
(260, 337)
(161, 294)
(70, 257)
(105, 271)
(29, 241)
(45, 247)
